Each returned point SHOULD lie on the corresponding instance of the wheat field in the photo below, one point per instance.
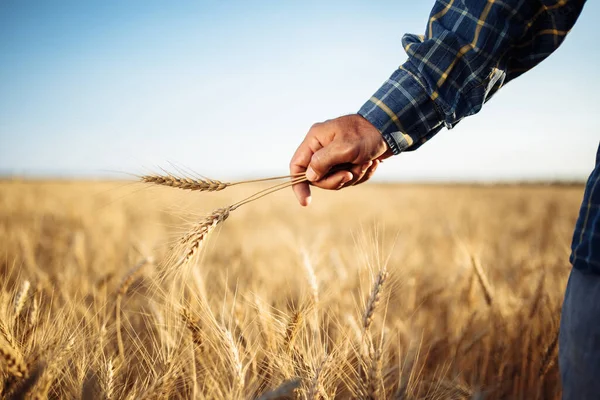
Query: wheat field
(375, 292)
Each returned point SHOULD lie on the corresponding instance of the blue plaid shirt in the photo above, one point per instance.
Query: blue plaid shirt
(471, 48)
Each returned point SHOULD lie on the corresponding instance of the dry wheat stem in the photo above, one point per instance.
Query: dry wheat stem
(267, 191)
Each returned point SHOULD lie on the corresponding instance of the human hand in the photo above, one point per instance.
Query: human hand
(350, 140)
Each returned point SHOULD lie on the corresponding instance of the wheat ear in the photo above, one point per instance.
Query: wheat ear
(483, 281)
(193, 326)
(292, 330)
(193, 240)
(109, 379)
(236, 361)
(311, 277)
(13, 361)
(374, 299)
(201, 184)
(21, 298)
(549, 356)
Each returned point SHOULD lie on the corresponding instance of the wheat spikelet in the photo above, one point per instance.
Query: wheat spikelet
(202, 185)
(374, 299)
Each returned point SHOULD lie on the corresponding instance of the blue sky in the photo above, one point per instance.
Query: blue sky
(229, 88)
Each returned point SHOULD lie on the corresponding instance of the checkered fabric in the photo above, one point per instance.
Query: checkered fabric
(471, 48)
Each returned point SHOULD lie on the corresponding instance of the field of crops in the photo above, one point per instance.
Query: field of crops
(375, 292)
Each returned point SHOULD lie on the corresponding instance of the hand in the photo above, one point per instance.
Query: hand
(346, 140)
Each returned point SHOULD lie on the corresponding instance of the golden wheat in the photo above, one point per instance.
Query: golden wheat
(93, 323)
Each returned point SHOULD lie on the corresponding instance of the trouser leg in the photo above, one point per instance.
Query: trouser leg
(579, 342)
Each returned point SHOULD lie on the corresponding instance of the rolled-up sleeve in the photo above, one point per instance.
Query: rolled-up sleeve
(470, 50)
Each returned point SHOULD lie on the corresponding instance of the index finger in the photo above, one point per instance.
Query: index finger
(299, 164)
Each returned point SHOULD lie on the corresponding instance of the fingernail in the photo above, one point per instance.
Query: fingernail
(366, 166)
(346, 179)
(311, 175)
(307, 201)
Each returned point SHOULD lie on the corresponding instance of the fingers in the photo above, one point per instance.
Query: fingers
(326, 158)
(370, 172)
(334, 181)
(298, 165)
(359, 172)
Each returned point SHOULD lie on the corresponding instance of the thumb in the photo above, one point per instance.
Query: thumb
(324, 159)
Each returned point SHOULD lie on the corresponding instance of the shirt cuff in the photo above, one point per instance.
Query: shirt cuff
(403, 112)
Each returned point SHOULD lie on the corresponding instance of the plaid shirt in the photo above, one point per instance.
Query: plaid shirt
(471, 48)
